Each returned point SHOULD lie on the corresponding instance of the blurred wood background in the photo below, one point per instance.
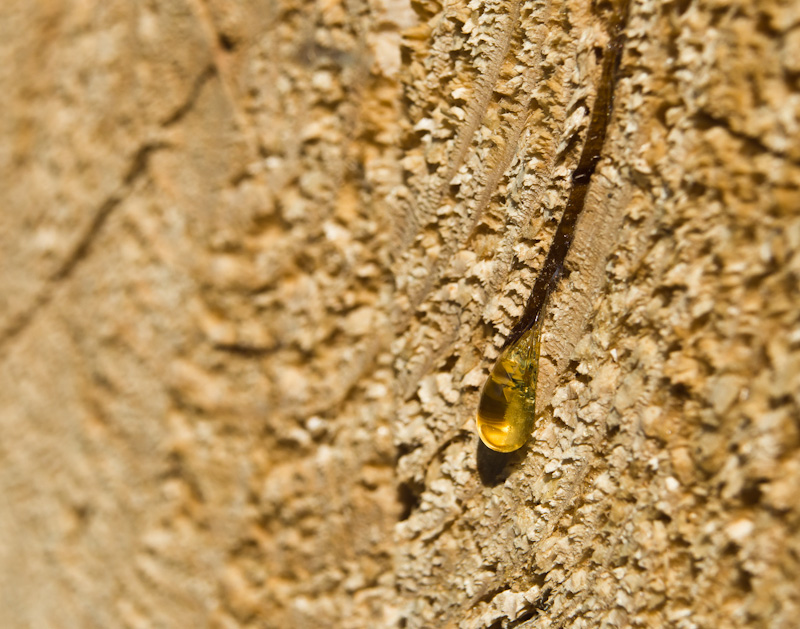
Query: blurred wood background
(257, 258)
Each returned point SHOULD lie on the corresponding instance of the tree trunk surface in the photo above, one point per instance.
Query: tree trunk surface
(258, 259)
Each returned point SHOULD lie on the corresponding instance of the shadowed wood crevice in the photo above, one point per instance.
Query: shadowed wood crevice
(82, 248)
(137, 169)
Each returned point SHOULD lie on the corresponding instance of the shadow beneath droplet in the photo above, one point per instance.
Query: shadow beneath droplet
(493, 467)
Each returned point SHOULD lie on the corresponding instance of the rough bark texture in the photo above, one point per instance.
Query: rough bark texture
(258, 258)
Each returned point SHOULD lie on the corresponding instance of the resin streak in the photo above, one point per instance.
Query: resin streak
(507, 406)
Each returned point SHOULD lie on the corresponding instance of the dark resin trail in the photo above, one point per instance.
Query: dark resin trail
(507, 405)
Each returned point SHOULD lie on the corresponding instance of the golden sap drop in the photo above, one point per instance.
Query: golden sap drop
(507, 406)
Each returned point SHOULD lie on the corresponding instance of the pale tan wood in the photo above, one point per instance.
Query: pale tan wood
(258, 258)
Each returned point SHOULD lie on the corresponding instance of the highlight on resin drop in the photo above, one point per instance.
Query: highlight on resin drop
(508, 401)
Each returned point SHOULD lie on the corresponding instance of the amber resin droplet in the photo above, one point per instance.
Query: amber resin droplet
(508, 401)
(507, 406)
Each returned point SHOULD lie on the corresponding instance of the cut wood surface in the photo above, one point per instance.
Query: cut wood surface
(258, 258)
